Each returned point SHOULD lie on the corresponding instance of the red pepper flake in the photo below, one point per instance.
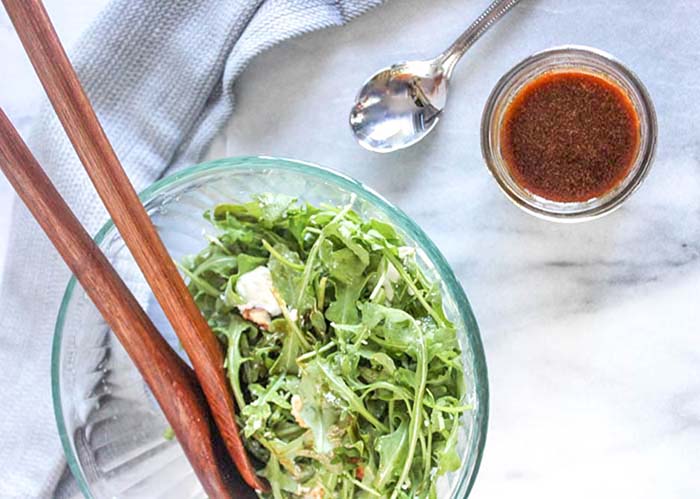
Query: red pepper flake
(360, 470)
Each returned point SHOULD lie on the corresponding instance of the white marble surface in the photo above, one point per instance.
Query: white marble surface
(591, 330)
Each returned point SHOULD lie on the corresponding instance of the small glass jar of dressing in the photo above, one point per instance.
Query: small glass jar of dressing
(569, 133)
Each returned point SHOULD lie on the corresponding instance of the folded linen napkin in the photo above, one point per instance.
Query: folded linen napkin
(160, 75)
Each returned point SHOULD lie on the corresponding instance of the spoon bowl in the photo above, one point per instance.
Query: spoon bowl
(399, 105)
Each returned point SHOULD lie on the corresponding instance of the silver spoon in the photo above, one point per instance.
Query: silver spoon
(401, 104)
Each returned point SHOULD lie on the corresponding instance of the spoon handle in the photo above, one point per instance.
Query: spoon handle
(488, 18)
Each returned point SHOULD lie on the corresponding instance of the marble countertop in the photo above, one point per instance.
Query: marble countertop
(592, 330)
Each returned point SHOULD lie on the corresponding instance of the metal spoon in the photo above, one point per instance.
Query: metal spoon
(401, 104)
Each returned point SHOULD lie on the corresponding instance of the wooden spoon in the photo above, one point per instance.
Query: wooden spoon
(119, 197)
(172, 382)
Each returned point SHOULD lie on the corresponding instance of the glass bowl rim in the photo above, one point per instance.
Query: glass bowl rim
(648, 120)
(398, 217)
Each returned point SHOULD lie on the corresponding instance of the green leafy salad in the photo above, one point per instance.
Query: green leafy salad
(345, 370)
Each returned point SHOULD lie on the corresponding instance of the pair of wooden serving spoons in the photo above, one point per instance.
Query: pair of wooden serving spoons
(198, 405)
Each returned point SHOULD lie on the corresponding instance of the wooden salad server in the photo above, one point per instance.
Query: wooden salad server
(119, 197)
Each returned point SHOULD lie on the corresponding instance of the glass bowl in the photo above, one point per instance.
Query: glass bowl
(110, 426)
(567, 58)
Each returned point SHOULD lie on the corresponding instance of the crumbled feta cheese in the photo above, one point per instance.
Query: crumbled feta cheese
(330, 398)
(255, 287)
(392, 275)
(406, 251)
(258, 316)
(293, 314)
(375, 291)
(308, 493)
(297, 406)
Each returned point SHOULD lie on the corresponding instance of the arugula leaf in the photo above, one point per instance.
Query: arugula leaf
(234, 358)
(291, 346)
(257, 412)
(345, 266)
(286, 453)
(383, 360)
(343, 310)
(448, 457)
(345, 231)
(246, 263)
(273, 207)
(392, 450)
(319, 411)
(287, 280)
(220, 264)
(280, 482)
(397, 328)
(340, 388)
(417, 420)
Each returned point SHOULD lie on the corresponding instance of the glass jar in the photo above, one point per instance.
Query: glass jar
(565, 59)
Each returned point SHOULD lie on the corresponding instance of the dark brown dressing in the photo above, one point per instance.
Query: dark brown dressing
(570, 136)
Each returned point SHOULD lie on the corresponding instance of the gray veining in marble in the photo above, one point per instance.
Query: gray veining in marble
(591, 330)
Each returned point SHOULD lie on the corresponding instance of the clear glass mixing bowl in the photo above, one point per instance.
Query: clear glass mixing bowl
(110, 426)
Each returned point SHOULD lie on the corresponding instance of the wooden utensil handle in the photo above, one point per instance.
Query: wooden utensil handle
(90, 142)
(170, 379)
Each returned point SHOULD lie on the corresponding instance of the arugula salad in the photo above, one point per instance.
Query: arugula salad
(346, 372)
